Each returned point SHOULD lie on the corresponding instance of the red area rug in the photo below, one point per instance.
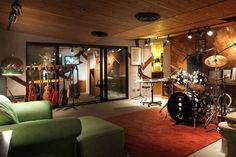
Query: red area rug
(148, 135)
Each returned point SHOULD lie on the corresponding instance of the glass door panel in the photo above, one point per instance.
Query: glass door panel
(85, 75)
(116, 73)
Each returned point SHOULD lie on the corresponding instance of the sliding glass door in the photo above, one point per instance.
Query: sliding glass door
(86, 73)
(116, 70)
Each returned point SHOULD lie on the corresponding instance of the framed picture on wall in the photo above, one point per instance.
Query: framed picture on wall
(233, 77)
(136, 58)
(227, 73)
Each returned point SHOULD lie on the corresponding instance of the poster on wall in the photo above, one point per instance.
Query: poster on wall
(136, 56)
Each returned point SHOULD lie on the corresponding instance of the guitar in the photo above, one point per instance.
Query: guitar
(40, 86)
(63, 93)
(54, 90)
(32, 94)
(46, 93)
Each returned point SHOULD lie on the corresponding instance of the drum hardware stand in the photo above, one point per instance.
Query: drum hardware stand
(221, 107)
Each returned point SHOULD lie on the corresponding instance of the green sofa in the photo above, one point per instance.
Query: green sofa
(36, 134)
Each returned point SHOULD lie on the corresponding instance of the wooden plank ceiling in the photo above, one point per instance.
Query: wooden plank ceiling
(73, 20)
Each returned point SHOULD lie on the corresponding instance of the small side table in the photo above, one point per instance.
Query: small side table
(5, 139)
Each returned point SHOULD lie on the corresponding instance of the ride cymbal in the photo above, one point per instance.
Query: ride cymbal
(216, 61)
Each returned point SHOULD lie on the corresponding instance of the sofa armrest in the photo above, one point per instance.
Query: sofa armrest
(33, 110)
(56, 137)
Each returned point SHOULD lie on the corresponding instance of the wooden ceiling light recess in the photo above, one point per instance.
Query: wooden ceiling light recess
(75, 20)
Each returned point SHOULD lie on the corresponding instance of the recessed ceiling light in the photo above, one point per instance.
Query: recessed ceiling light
(147, 16)
(99, 34)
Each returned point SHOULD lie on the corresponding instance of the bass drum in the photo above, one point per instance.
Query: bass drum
(183, 107)
(180, 107)
(199, 105)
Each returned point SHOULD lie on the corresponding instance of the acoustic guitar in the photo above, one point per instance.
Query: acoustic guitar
(32, 94)
(54, 90)
(46, 93)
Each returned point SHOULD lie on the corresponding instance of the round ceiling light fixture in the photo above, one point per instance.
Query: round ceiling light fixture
(147, 16)
(99, 34)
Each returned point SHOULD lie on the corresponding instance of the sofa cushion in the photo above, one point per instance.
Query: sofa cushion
(100, 138)
(7, 113)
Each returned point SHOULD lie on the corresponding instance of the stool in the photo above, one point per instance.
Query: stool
(146, 88)
(228, 132)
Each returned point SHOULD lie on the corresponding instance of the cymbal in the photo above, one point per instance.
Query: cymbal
(216, 61)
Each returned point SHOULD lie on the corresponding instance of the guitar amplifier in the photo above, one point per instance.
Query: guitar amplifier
(157, 74)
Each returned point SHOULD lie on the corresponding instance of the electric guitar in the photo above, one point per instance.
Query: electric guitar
(46, 93)
(54, 90)
(40, 86)
(32, 94)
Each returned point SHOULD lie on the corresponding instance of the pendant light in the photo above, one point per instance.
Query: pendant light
(12, 66)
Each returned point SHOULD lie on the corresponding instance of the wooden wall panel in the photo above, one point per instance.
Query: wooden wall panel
(222, 38)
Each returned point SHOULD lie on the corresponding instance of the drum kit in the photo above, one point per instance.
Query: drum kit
(197, 101)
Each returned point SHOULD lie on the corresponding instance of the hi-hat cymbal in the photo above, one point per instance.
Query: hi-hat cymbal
(216, 61)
